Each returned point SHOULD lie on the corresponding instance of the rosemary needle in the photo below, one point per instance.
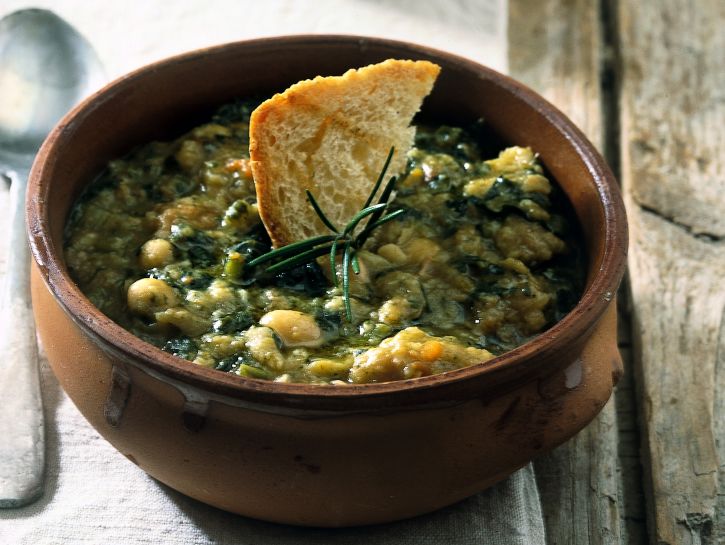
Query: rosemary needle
(305, 251)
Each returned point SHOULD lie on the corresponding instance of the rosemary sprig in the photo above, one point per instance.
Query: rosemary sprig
(305, 251)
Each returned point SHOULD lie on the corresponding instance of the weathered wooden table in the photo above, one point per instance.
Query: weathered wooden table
(645, 79)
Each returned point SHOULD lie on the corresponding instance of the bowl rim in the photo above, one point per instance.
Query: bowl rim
(523, 360)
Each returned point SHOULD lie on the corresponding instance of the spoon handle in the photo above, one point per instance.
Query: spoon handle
(22, 441)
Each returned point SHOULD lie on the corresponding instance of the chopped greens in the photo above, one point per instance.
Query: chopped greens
(455, 260)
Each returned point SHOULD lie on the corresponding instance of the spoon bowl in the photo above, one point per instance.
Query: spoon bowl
(46, 67)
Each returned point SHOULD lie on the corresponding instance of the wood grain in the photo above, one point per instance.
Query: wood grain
(672, 116)
(556, 47)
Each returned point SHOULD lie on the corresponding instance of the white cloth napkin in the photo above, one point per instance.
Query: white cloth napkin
(92, 493)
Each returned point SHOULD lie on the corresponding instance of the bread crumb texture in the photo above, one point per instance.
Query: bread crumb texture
(331, 135)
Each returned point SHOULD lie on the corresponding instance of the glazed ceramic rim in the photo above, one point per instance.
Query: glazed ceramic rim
(524, 360)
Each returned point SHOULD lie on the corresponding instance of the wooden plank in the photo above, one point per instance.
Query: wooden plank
(632, 498)
(672, 141)
(578, 486)
(556, 47)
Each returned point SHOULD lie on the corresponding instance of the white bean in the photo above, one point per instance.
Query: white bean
(293, 327)
(156, 252)
(150, 295)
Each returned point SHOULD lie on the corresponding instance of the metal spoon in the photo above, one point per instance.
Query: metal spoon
(45, 68)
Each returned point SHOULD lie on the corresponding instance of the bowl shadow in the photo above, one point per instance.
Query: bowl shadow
(508, 511)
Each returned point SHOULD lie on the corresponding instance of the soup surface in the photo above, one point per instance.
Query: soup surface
(482, 260)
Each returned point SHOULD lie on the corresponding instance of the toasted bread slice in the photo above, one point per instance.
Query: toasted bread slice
(331, 135)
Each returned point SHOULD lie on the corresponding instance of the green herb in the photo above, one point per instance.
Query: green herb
(182, 347)
(302, 252)
(252, 371)
(230, 322)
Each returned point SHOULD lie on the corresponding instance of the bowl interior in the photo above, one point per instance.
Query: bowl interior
(163, 100)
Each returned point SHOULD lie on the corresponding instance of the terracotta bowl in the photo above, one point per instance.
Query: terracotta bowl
(322, 455)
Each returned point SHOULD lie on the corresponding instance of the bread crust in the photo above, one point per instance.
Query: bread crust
(331, 135)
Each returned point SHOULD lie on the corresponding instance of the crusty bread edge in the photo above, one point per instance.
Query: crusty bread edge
(278, 231)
